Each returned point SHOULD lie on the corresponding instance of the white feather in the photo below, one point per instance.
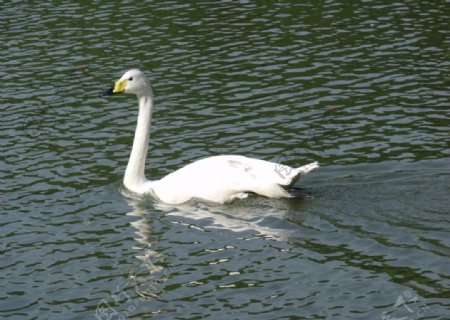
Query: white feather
(218, 179)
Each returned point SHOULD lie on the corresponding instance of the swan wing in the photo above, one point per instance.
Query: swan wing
(224, 178)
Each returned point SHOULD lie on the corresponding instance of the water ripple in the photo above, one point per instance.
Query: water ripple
(360, 87)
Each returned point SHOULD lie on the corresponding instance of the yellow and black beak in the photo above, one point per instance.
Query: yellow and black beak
(118, 87)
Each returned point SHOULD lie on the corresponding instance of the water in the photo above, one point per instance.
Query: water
(360, 87)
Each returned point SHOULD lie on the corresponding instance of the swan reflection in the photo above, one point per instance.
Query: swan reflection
(243, 219)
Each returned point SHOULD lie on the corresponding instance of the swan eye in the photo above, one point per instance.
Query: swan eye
(130, 79)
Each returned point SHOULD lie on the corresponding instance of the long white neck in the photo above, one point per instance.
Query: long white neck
(135, 173)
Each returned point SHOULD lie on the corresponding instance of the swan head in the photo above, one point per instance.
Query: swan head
(133, 81)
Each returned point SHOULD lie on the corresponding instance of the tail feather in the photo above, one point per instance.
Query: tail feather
(303, 171)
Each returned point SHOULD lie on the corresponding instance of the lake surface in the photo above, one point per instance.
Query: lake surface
(362, 88)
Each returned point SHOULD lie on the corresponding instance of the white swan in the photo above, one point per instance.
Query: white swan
(217, 179)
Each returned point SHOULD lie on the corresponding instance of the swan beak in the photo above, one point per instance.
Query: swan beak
(108, 92)
(118, 87)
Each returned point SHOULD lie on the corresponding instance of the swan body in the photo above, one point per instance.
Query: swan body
(218, 179)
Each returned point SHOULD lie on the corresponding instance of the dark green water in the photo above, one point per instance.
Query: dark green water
(361, 87)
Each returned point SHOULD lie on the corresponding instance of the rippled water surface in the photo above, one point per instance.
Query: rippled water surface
(362, 87)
